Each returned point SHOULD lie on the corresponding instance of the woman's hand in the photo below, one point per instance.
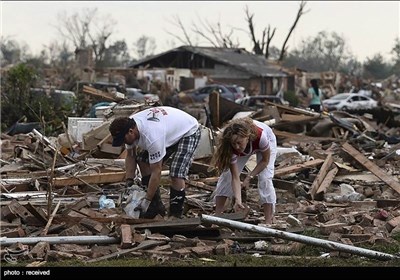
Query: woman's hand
(246, 182)
(238, 206)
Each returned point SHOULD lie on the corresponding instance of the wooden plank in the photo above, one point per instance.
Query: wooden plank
(206, 169)
(285, 185)
(144, 245)
(390, 154)
(209, 180)
(94, 226)
(38, 213)
(389, 180)
(200, 185)
(98, 93)
(190, 222)
(321, 175)
(46, 228)
(117, 220)
(16, 208)
(327, 180)
(296, 118)
(302, 138)
(283, 108)
(102, 178)
(298, 167)
(95, 136)
(79, 204)
(383, 203)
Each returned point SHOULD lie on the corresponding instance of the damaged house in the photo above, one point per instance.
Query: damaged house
(218, 65)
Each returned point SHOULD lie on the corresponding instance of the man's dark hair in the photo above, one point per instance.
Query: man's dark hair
(119, 128)
(121, 124)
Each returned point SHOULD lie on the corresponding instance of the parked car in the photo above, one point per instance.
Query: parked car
(346, 101)
(200, 94)
(61, 98)
(140, 96)
(239, 91)
(258, 101)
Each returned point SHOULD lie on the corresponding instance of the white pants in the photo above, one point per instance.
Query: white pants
(265, 185)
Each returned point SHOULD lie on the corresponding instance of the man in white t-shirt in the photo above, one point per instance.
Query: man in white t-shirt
(159, 132)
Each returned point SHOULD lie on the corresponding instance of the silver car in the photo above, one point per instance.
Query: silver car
(349, 101)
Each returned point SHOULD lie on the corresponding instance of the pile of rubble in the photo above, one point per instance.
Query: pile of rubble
(336, 174)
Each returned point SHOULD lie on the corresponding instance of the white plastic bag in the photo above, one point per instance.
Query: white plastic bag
(132, 202)
(105, 202)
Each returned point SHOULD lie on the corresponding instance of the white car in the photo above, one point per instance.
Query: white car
(258, 101)
(349, 101)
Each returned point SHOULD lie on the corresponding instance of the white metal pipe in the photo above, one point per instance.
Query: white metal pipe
(330, 245)
(87, 239)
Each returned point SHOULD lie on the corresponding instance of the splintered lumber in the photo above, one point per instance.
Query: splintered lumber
(101, 178)
(390, 154)
(327, 180)
(298, 167)
(15, 208)
(321, 175)
(46, 228)
(48, 144)
(283, 109)
(378, 172)
(37, 212)
(330, 245)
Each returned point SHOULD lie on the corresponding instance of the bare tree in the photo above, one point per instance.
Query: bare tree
(178, 23)
(144, 46)
(300, 12)
(259, 47)
(212, 33)
(262, 46)
(86, 29)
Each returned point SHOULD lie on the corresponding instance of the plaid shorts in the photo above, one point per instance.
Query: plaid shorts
(183, 153)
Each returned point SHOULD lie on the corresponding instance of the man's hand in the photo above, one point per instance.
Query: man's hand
(143, 205)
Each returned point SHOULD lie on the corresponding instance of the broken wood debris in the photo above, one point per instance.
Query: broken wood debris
(308, 186)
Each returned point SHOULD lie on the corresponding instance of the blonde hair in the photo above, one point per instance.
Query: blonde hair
(243, 127)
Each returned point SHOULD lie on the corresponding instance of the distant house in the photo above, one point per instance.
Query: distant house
(220, 65)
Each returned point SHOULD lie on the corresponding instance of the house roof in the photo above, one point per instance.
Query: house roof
(238, 58)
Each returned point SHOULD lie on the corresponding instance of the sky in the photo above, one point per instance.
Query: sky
(368, 27)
